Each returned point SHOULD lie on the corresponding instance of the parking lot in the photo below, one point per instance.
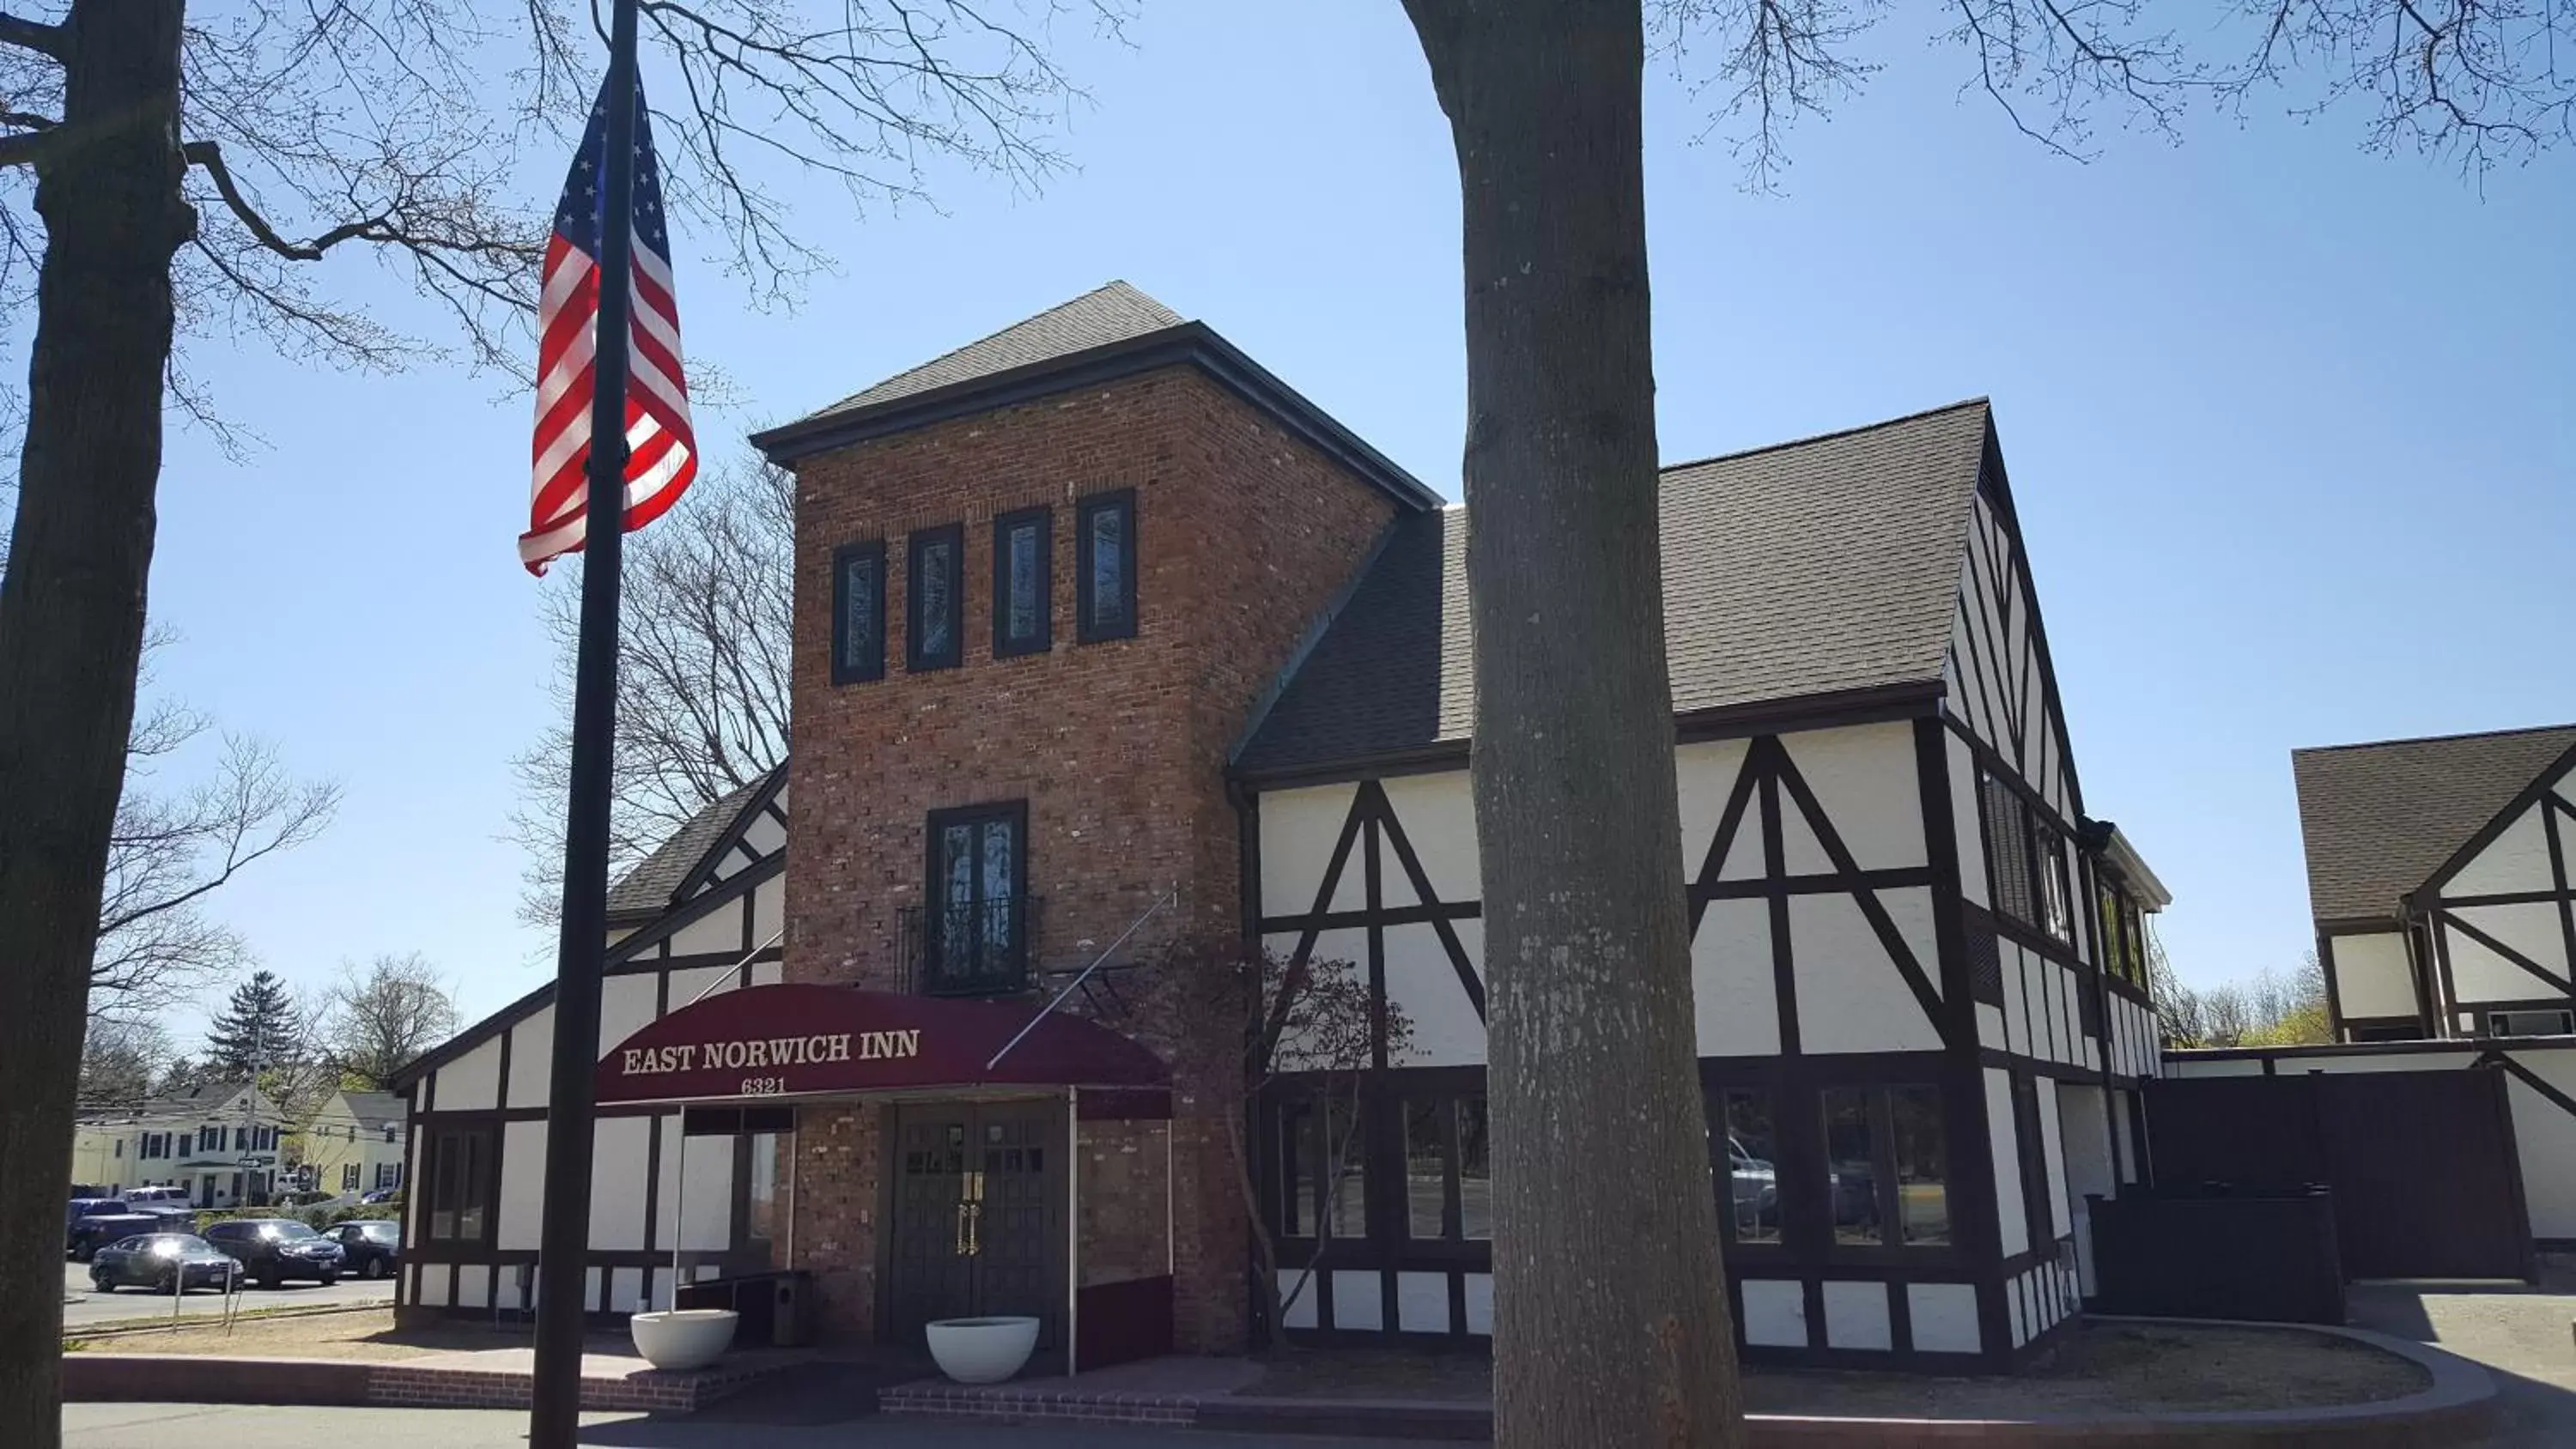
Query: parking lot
(84, 1305)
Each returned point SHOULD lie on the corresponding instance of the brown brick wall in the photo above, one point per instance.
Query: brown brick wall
(1243, 535)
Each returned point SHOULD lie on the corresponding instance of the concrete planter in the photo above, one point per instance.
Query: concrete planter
(683, 1339)
(982, 1350)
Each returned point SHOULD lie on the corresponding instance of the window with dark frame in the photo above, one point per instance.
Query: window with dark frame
(1319, 1196)
(858, 612)
(2056, 902)
(2526, 1022)
(461, 1164)
(1023, 611)
(1887, 1166)
(1448, 1169)
(1105, 567)
(2007, 832)
(976, 925)
(934, 583)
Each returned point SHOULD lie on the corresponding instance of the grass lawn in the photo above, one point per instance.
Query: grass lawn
(2102, 1368)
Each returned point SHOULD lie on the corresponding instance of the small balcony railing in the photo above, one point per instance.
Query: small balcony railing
(976, 948)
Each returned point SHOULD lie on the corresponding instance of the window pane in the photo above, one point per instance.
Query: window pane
(861, 643)
(1849, 1164)
(1753, 1179)
(1922, 1164)
(934, 607)
(1426, 1171)
(1346, 1172)
(1297, 1192)
(1023, 611)
(1108, 567)
(1475, 1171)
(761, 1210)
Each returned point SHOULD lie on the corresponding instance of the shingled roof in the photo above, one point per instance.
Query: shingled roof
(647, 889)
(2380, 819)
(1111, 313)
(1814, 567)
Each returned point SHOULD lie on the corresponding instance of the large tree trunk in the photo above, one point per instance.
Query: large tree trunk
(71, 624)
(1610, 1317)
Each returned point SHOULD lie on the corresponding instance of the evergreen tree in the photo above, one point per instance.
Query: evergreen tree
(258, 1027)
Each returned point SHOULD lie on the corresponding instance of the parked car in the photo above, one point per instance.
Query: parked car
(94, 1222)
(381, 1195)
(273, 1250)
(369, 1249)
(168, 1197)
(165, 1262)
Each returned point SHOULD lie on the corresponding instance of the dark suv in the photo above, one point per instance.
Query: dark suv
(374, 1249)
(272, 1250)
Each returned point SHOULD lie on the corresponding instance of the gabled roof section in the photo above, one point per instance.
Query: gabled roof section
(658, 879)
(1826, 567)
(375, 1111)
(2381, 819)
(1103, 335)
(1113, 313)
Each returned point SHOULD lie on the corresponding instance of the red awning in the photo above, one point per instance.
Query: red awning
(799, 1041)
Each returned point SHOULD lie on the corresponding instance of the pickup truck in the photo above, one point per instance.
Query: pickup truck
(91, 1223)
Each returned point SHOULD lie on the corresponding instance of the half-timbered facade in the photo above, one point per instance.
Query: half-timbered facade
(2440, 877)
(1107, 640)
(1917, 967)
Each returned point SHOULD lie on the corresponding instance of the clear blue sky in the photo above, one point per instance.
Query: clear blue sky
(2293, 431)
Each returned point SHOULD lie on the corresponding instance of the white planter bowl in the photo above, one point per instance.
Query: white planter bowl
(982, 1350)
(683, 1339)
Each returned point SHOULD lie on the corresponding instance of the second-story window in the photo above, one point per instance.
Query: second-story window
(934, 581)
(858, 612)
(1023, 622)
(1105, 563)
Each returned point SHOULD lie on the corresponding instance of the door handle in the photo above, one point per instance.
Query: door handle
(963, 1240)
(974, 1230)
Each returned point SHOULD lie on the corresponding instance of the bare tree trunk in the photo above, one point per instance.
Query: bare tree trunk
(1610, 1317)
(71, 624)
(1265, 1247)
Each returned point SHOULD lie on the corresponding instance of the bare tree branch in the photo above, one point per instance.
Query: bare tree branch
(33, 35)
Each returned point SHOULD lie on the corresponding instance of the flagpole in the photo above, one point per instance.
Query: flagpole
(563, 1241)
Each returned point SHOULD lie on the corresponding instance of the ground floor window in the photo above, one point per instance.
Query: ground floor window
(462, 1164)
(1448, 1169)
(1750, 1208)
(1887, 1166)
(1323, 1175)
(2530, 1023)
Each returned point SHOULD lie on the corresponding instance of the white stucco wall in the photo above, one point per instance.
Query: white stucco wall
(2480, 974)
(2372, 977)
(2517, 860)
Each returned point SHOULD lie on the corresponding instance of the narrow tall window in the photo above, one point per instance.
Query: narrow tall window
(1105, 560)
(858, 612)
(1023, 621)
(2056, 903)
(1922, 1152)
(1752, 1201)
(1851, 1166)
(2008, 860)
(460, 1181)
(935, 581)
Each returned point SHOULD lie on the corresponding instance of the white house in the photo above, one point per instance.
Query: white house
(355, 1142)
(218, 1140)
(2440, 877)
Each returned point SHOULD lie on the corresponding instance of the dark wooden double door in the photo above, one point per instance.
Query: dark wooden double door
(978, 1227)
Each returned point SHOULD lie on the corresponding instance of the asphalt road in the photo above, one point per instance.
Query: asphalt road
(84, 1305)
(158, 1426)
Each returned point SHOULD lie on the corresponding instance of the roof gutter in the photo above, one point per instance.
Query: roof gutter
(1192, 344)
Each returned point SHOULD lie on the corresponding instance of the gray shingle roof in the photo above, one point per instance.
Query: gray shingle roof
(1112, 313)
(646, 890)
(375, 1111)
(2380, 818)
(1812, 567)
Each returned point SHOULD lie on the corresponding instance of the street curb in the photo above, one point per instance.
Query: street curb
(2458, 1407)
(126, 1378)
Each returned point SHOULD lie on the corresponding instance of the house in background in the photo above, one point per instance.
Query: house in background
(219, 1141)
(356, 1142)
(1106, 639)
(2440, 878)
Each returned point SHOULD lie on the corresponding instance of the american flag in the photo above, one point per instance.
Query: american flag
(662, 453)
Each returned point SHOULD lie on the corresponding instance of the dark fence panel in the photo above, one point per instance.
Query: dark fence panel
(2263, 1256)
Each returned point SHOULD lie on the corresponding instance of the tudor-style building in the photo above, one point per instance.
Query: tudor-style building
(2442, 876)
(1105, 638)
